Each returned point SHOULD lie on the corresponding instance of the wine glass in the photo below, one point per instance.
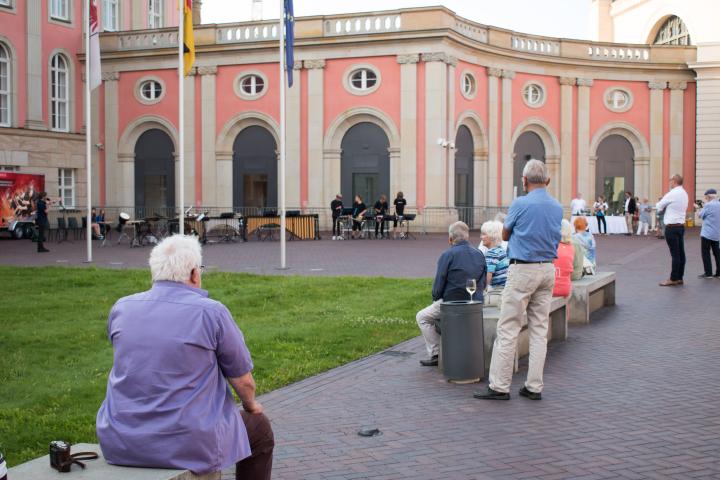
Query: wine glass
(471, 286)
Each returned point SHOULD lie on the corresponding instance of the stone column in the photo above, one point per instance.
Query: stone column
(437, 157)
(35, 62)
(114, 179)
(677, 107)
(493, 127)
(450, 129)
(506, 134)
(564, 189)
(318, 160)
(210, 186)
(292, 145)
(196, 9)
(708, 118)
(189, 146)
(585, 174)
(652, 182)
(480, 177)
(405, 175)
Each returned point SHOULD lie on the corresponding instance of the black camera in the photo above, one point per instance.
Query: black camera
(60, 458)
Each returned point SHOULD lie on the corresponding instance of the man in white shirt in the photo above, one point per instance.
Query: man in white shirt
(578, 205)
(675, 204)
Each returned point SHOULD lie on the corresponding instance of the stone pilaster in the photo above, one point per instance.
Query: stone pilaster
(506, 137)
(493, 128)
(115, 181)
(189, 146)
(406, 174)
(450, 129)
(437, 157)
(563, 187)
(293, 141)
(585, 174)
(318, 177)
(35, 63)
(708, 134)
(211, 194)
(654, 176)
(677, 107)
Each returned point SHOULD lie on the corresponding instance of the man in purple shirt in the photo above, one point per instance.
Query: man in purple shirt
(168, 404)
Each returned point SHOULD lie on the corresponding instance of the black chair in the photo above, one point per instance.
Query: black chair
(61, 230)
(73, 226)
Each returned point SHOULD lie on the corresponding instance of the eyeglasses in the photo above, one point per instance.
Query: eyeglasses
(202, 268)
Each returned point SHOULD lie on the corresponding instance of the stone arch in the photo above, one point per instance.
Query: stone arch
(657, 20)
(473, 122)
(546, 134)
(332, 147)
(238, 123)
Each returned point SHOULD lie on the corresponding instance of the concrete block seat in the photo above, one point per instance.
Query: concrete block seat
(39, 469)
(589, 294)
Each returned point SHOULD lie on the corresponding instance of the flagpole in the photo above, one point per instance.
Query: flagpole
(181, 119)
(281, 27)
(88, 132)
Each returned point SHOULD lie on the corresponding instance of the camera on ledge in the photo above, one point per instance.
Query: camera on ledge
(60, 456)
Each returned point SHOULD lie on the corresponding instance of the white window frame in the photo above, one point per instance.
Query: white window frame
(60, 10)
(240, 92)
(364, 89)
(610, 99)
(156, 90)
(257, 85)
(59, 97)
(64, 188)
(6, 3)
(6, 92)
(156, 12)
(541, 92)
(110, 15)
(468, 85)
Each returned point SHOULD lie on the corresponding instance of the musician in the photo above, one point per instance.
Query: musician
(336, 207)
(359, 209)
(381, 208)
(41, 220)
(399, 204)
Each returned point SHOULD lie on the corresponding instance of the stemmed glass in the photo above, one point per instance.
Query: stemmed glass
(471, 286)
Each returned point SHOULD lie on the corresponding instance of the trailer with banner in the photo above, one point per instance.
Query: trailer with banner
(18, 194)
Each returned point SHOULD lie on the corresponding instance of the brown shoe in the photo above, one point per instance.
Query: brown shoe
(671, 283)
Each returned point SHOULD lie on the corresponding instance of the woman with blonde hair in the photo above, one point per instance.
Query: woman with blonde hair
(569, 261)
(496, 260)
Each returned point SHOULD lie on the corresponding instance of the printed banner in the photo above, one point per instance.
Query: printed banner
(18, 193)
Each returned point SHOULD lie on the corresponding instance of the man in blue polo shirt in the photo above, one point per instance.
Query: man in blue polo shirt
(532, 227)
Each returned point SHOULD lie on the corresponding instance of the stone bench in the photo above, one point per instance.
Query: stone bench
(589, 294)
(557, 330)
(39, 469)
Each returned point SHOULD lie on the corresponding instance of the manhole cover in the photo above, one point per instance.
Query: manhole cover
(397, 353)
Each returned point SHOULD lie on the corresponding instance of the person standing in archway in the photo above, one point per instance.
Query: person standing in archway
(336, 206)
(675, 204)
(629, 210)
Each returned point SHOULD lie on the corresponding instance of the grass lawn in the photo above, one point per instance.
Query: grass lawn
(55, 355)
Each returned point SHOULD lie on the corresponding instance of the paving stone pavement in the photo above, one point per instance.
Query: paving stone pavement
(631, 396)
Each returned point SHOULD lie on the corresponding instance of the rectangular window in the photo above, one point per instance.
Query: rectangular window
(110, 17)
(59, 94)
(4, 87)
(155, 13)
(60, 10)
(5, 3)
(66, 186)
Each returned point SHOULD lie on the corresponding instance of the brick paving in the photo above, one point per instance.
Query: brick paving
(628, 397)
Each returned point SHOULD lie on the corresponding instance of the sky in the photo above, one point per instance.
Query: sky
(554, 18)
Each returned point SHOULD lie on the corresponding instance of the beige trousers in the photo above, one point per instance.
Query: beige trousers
(629, 222)
(426, 319)
(528, 289)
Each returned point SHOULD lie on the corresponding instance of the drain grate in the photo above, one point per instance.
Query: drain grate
(397, 353)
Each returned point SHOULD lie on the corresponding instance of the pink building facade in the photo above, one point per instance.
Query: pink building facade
(419, 100)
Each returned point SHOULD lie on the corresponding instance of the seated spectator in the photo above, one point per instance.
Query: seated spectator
(458, 264)
(569, 263)
(496, 260)
(168, 404)
(97, 232)
(583, 236)
(499, 217)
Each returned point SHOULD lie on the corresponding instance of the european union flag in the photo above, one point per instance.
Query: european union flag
(289, 40)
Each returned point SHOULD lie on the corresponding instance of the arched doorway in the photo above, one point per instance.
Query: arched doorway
(528, 145)
(254, 168)
(614, 170)
(365, 163)
(154, 173)
(464, 185)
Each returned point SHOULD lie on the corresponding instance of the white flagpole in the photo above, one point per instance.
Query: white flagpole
(181, 119)
(88, 132)
(281, 26)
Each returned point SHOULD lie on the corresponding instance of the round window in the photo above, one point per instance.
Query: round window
(534, 95)
(618, 100)
(469, 85)
(363, 79)
(252, 85)
(151, 90)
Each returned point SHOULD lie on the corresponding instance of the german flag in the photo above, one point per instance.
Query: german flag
(188, 37)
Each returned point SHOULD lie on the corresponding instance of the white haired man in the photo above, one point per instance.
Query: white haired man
(532, 228)
(168, 404)
(710, 233)
(458, 264)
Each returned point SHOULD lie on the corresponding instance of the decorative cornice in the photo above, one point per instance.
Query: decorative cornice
(438, 57)
(298, 65)
(314, 64)
(679, 85)
(207, 70)
(193, 71)
(584, 82)
(509, 74)
(110, 76)
(657, 85)
(494, 72)
(408, 59)
(452, 61)
(570, 81)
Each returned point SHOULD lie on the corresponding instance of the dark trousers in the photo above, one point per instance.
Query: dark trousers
(601, 221)
(675, 238)
(706, 246)
(42, 232)
(379, 224)
(257, 466)
(336, 226)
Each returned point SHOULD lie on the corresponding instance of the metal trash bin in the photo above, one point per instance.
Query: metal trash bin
(463, 358)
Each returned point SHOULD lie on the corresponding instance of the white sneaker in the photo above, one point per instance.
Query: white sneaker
(334, 237)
